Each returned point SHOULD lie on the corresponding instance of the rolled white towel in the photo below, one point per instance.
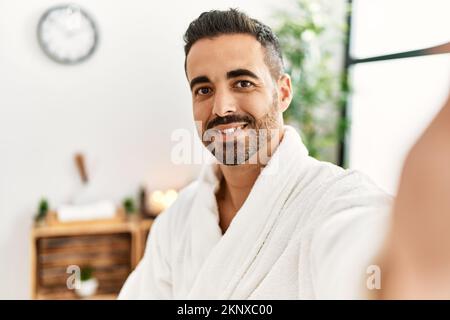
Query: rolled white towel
(94, 211)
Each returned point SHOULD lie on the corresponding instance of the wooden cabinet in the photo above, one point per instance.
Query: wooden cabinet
(111, 249)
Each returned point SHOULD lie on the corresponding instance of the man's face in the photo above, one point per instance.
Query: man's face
(235, 98)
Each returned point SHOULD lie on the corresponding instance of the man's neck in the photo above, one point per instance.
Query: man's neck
(234, 189)
(238, 181)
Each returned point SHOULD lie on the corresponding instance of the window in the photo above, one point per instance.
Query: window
(394, 98)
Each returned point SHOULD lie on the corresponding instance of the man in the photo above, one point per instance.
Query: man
(266, 221)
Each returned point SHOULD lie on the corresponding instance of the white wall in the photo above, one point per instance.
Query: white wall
(119, 108)
(394, 101)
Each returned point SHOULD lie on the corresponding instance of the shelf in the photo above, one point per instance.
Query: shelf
(112, 248)
(73, 296)
(91, 227)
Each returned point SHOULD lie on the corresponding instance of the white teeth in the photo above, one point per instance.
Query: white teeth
(230, 131)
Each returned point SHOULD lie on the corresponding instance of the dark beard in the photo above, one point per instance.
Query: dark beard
(234, 152)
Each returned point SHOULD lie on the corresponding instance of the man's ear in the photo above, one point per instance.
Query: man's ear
(285, 92)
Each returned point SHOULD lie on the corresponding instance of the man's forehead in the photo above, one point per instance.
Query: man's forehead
(218, 55)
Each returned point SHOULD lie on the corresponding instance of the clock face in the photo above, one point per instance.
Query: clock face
(67, 34)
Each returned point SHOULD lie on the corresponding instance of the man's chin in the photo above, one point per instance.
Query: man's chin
(237, 160)
(232, 164)
(233, 161)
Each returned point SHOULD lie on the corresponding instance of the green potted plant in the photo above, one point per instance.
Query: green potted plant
(311, 39)
(130, 208)
(88, 284)
(42, 211)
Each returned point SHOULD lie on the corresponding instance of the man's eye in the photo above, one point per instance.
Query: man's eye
(203, 91)
(244, 84)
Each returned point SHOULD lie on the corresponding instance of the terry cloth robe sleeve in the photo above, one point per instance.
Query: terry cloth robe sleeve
(152, 277)
(348, 237)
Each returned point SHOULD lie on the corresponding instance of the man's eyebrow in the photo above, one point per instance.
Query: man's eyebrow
(200, 79)
(241, 72)
(230, 74)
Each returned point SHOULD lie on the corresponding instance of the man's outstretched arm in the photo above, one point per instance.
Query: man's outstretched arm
(415, 263)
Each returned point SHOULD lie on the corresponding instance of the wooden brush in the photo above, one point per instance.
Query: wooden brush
(80, 163)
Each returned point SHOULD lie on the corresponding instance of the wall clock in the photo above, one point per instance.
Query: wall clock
(67, 34)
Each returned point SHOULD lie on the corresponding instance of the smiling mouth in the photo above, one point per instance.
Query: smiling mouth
(228, 131)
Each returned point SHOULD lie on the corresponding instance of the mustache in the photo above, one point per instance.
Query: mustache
(229, 119)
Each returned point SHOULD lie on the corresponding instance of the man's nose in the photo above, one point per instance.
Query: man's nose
(224, 103)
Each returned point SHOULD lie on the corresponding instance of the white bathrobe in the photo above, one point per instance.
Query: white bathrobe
(307, 230)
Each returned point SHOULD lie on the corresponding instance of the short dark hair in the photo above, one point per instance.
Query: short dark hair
(214, 23)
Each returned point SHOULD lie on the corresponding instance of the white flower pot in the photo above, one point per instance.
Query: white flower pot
(87, 288)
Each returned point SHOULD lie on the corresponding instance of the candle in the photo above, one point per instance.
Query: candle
(160, 201)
